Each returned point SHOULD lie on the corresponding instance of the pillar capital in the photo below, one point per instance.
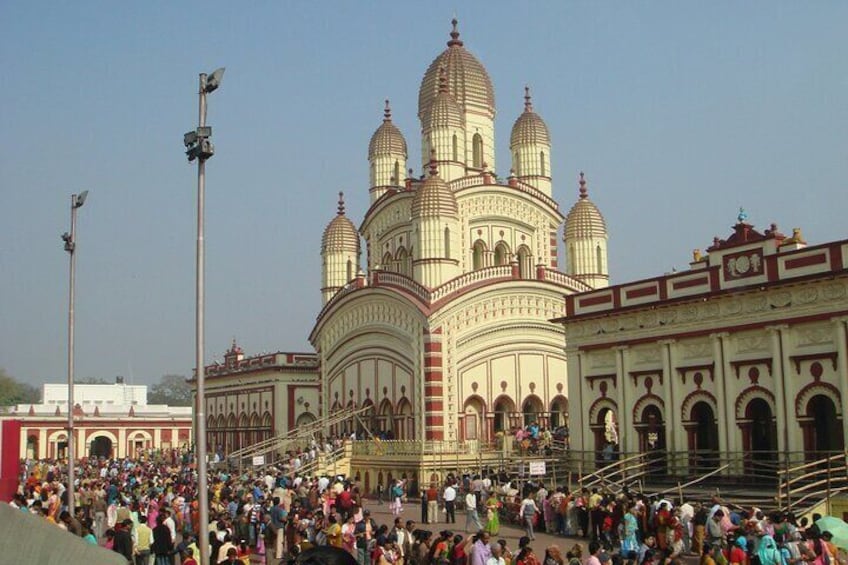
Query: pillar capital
(719, 335)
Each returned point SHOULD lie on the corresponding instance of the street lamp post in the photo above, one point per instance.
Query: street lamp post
(199, 146)
(77, 200)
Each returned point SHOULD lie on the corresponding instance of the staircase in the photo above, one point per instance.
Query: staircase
(273, 449)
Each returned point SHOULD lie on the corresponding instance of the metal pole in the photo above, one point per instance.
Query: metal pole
(200, 408)
(69, 246)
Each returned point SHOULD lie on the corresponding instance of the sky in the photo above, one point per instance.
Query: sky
(678, 112)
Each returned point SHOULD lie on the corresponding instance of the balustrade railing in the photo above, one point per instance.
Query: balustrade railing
(470, 278)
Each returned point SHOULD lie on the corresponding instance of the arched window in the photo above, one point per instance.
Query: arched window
(478, 255)
(525, 262)
(501, 254)
(387, 262)
(542, 164)
(477, 151)
(572, 264)
(455, 148)
(402, 258)
(516, 164)
(396, 175)
(349, 270)
(447, 243)
(599, 259)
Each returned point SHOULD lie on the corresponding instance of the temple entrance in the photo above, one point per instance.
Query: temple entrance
(101, 446)
(760, 440)
(652, 438)
(703, 439)
(823, 432)
(474, 420)
(606, 437)
(32, 447)
(504, 406)
(532, 410)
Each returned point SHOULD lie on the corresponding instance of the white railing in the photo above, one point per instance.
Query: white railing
(473, 277)
(557, 277)
(388, 278)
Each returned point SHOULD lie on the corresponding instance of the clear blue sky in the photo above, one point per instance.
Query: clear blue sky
(679, 112)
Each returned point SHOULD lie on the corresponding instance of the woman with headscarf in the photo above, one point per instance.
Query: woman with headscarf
(739, 552)
(629, 526)
(768, 552)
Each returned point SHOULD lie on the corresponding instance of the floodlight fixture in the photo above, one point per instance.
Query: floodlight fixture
(80, 199)
(213, 81)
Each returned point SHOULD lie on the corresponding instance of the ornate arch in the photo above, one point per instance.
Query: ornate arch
(510, 402)
(386, 408)
(472, 399)
(751, 393)
(813, 389)
(102, 433)
(693, 398)
(559, 399)
(645, 401)
(404, 407)
(140, 434)
(531, 402)
(598, 405)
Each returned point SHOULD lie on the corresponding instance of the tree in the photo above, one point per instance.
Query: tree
(14, 392)
(172, 390)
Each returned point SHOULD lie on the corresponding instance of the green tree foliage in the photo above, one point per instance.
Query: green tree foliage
(14, 392)
(172, 390)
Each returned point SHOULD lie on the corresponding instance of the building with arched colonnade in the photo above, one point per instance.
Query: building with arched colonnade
(746, 352)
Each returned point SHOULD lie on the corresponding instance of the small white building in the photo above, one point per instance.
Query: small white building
(110, 420)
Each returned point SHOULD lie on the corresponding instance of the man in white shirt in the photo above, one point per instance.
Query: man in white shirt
(472, 519)
(449, 496)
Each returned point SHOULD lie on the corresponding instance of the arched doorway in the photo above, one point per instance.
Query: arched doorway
(559, 413)
(525, 263)
(32, 447)
(387, 419)
(473, 428)
(502, 254)
(606, 436)
(703, 438)
(822, 429)
(532, 410)
(478, 255)
(406, 423)
(760, 440)
(503, 407)
(101, 446)
(652, 437)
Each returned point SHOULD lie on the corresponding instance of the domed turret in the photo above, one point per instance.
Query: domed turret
(387, 156)
(434, 197)
(444, 134)
(435, 217)
(530, 145)
(586, 241)
(470, 86)
(340, 253)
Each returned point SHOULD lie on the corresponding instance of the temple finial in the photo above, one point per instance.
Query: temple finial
(584, 192)
(528, 103)
(454, 40)
(341, 210)
(387, 112)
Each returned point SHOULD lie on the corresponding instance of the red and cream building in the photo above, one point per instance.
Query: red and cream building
(442, 328)
(110, 420)
(744, 352)
(250, 399)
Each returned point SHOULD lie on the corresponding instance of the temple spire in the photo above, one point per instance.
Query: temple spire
(454, 40)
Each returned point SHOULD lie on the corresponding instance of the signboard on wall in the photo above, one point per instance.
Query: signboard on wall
(537, 468)
(258, 460)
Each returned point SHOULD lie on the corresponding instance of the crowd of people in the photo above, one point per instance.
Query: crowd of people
(146, 509)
